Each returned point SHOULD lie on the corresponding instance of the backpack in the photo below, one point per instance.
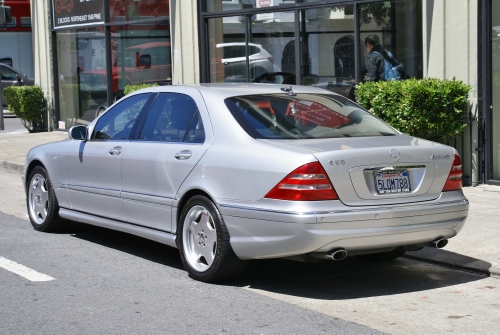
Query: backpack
(394, 70)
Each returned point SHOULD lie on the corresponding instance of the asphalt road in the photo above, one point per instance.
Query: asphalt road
(110, 282)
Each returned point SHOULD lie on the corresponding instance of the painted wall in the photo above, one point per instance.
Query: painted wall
(42, 54)
(450, 47)
(185, 47)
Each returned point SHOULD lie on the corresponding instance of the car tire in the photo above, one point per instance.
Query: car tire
(204, 244)
(383, 256)
(41, 201)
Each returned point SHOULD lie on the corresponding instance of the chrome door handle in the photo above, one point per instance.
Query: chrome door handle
(115, 151)
(184, 154)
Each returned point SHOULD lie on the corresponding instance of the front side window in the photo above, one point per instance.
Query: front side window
(117, 122)
(173, 118)
(278, 116)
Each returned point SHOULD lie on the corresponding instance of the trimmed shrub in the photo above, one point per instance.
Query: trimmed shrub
(27, 103)
(132, 88)
(431, 109)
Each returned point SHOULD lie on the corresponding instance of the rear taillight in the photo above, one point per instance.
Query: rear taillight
(306, 183)
(271, 59)
(454, 181)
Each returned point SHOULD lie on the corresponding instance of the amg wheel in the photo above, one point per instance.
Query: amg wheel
(43, 208)
(383, 256)
(204, 243)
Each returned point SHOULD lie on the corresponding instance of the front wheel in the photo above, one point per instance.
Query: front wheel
(204, 243)
(43, 208)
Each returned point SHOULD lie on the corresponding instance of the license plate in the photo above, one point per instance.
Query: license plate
(392, 181)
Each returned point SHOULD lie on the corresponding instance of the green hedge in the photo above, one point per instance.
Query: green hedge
(432, 109)
(27, 103)
(131, 88)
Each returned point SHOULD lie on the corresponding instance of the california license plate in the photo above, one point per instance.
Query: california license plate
(392, 181)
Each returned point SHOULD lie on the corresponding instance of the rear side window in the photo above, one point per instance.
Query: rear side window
(173, 118)
(278, 116)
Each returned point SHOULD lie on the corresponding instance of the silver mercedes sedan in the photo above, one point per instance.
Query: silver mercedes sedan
(233, 172)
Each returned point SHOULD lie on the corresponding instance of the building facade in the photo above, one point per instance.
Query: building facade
(16, 43)
(89, 52)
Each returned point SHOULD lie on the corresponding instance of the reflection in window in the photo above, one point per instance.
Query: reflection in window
(224, 5)
(397, 25)
(270, 49)
(173, 118)
(328, 49)
(124, 10)
(117, 123)
(82, 74)
(140, 54)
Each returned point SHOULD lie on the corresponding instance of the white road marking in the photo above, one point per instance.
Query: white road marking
(23, 271)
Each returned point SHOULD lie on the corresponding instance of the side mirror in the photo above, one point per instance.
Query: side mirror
(19, 78)
(78, 133)
(145, 60)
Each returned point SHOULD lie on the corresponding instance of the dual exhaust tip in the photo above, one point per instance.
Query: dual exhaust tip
(340, 254)
(440, 243)
(337, 254)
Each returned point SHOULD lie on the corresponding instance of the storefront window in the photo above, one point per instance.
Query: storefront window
(228, 62)
(82, 74)
(224, 5)
(140, 54)
(272, 45)
(397, 27)
(125, 10)
(328, 48)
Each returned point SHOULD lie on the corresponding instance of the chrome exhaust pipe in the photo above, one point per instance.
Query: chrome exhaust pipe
(440, 243)
(337, 255)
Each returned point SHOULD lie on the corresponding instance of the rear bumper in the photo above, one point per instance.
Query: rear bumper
(272, 228)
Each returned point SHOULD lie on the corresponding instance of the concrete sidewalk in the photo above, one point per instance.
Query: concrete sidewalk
(476, 248)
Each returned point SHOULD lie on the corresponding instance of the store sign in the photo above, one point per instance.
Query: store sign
(74, 13)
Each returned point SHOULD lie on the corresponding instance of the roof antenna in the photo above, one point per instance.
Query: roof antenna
(289, 91)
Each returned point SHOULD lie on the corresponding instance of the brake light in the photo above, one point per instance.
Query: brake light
(271, 59)
(306, 183)
(454, 181)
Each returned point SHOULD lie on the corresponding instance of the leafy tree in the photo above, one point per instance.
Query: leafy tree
(378, 11)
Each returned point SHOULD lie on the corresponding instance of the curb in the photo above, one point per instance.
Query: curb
(11, 167)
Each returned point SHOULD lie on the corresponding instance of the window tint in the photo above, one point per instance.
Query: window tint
(117, 122)
(7, 74)
(173, 118)
(304, 116)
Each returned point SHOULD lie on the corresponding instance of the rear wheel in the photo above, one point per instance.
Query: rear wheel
(204, 243)
(43, 208)
(383, 256)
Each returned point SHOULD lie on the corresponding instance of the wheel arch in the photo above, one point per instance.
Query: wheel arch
(184, 199)
(34, 163)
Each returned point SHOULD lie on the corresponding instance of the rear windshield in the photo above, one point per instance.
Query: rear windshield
(278, 116)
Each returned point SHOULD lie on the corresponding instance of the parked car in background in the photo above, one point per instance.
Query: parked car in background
(234, 60)
(232, 172)
(12, 77)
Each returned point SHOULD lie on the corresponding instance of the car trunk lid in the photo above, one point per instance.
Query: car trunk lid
(357, 165)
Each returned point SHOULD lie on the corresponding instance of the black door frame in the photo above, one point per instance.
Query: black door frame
(485, 94)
